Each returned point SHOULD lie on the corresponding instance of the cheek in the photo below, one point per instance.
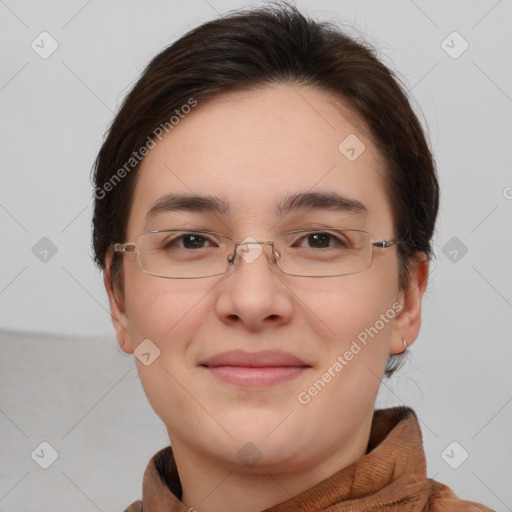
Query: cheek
(356, 318)
(348, 304)
(170, 314)
(360, 321)
(157, 307)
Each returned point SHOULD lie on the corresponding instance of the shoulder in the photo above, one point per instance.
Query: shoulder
(443, 499)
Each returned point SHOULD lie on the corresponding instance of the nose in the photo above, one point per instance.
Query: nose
(250, 249)
(253, 292)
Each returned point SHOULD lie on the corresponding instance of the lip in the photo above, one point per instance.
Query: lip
(255, 369)
(262, 358)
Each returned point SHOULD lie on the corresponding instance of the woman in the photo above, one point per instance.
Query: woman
(265, 203)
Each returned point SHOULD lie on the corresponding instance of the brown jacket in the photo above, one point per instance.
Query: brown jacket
(391, 477)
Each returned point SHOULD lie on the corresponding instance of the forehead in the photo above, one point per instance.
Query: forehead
(253, 148)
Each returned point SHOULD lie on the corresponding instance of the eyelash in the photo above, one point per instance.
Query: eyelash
(338, 241)
(180, 238)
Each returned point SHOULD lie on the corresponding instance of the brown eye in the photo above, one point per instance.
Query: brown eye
(322, 240)
(187, 241)
(319, 240)
(193, 241)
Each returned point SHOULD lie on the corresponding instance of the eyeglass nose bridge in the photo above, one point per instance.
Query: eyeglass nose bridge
(251, 256)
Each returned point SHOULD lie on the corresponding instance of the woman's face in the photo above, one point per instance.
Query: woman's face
(252, 152)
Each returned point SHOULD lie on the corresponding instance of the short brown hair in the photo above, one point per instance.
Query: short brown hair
(254, 48)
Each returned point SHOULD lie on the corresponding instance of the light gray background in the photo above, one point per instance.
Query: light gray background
(63, 380)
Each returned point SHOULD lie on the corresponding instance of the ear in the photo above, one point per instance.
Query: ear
(408, 321)
(117, 308)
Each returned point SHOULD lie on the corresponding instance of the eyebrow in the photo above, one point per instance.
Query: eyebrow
(320, 201)
(176, 202)
(292, 203)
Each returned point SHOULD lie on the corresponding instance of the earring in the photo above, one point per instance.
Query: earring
(405, 345)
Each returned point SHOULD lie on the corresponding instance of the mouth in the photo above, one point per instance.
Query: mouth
(255, 369)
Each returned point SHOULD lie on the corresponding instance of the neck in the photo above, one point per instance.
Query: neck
(209, 485)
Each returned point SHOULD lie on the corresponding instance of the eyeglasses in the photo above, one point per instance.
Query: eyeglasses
(184, 254)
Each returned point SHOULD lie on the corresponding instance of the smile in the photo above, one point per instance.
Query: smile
(254, 376)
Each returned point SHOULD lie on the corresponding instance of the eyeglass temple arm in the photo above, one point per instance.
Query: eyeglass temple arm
(125, 248)
(385, 243)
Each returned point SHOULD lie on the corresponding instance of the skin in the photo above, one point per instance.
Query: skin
(252, 148)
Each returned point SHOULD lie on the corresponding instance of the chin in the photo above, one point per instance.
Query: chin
(260, 423)
(264, 456)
